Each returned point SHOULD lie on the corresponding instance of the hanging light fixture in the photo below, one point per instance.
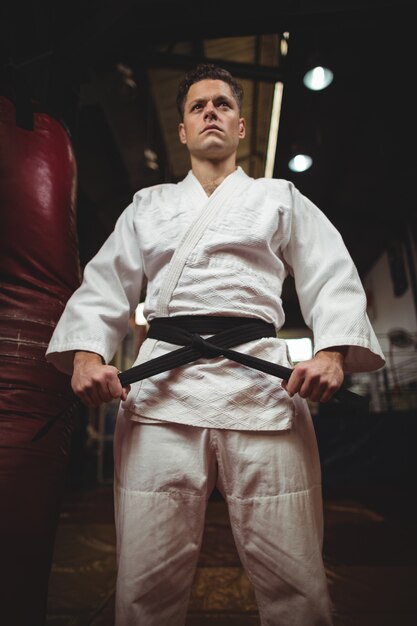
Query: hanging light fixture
(300, 162)
(318, 77)
(299, 158)
(317, 69)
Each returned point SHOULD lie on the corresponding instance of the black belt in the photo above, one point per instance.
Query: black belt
(226, 332)
(186, 330)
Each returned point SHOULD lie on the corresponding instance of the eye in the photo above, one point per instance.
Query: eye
(195, 106)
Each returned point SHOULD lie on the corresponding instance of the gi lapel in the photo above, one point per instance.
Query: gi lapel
(194, 234)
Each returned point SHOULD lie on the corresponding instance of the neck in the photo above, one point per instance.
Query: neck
(210, 175)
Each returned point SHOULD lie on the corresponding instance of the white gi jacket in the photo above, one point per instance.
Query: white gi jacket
(224, 255)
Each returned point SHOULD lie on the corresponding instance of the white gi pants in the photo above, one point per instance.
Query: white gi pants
(164, 474)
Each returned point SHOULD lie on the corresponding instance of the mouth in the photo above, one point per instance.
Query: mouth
(211, 127)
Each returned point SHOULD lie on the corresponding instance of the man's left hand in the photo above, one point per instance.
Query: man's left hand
(319, 378)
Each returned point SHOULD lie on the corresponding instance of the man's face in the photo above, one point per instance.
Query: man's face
(212, 126)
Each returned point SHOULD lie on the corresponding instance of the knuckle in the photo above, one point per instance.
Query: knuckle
(301, 369)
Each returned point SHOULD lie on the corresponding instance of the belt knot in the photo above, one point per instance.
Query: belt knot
(206, 349)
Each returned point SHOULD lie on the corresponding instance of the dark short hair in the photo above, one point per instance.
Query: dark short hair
(207, 71)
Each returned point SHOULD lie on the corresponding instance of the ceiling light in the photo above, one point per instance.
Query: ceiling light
(151, 159)
(150, 154)
(318, 78)
(127, 75)
(283, 44)
(300, 163)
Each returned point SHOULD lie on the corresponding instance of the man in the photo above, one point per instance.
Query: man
(215, 249)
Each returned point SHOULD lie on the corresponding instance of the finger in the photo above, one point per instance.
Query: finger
(308, 388)
(329, 392)
(294, 382)
(317, 392)
(125, 393)
(98, 393)
(89, 399)
(114, 386)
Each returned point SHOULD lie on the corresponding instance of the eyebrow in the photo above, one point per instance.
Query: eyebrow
(214, 98)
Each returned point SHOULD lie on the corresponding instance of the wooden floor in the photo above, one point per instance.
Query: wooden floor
(370, 555)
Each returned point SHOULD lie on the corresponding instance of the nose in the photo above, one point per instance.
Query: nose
(210, 110)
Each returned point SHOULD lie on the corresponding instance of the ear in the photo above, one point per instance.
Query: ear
(242, 128)
(182, 134)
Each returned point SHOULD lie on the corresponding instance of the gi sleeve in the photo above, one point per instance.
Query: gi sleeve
(96, 316)
(331, 295)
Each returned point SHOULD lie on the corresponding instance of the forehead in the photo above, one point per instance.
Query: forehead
(207, 89)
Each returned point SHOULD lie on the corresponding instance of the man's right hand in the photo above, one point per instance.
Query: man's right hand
(94, 382)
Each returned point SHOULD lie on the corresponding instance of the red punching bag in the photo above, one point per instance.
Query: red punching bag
(39, 271)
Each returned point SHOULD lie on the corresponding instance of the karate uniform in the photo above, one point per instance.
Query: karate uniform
(224, 255)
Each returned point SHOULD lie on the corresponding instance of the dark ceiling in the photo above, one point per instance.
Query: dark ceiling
(360, 130)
